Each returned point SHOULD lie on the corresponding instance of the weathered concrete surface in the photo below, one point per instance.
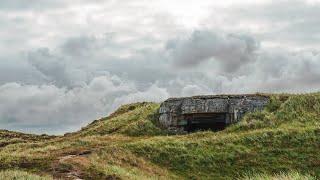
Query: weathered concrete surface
(173, 110)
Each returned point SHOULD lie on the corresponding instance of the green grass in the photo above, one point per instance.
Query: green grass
(282, 176)
(282, 141)
(21, 175)
(136, 119)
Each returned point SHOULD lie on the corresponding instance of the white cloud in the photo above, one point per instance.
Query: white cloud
(152, 94)
(290, 24)
(47, 108)
(193, 90)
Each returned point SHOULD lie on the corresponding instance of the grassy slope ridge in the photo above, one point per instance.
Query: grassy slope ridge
(135, 119)
(285, 137)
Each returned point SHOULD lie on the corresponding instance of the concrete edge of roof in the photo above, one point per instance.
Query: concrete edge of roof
(223, 96)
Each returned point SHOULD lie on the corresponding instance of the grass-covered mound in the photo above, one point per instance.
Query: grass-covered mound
(128, 144)
(138, 119)
(283, 137)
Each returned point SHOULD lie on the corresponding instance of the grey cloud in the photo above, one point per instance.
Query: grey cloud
(52, 67)
(58, 105)
(14, 69)
(148, 67)
(231, 51)
(86, 46)
(82, 58)
(284, 71)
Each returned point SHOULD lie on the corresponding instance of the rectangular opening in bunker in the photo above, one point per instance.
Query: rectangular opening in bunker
(205, 121)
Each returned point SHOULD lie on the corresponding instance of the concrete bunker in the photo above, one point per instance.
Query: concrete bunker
(213, 112)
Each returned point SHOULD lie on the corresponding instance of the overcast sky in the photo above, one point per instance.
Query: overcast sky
(66, 63)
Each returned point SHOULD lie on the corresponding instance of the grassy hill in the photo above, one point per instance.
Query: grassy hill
(283, 141)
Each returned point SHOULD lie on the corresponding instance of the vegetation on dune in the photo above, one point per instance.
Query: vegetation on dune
(9, 137)
(136, 119)
(281, 141)
(282, 176)
(21, 175)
